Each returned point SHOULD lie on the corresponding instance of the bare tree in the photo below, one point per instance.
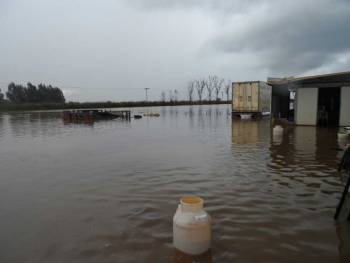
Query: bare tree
(227, 89)
(163, 96)
(176, 94)
(200, 85)
(1, 96)
(190, 89)
(217, 83)
(209, 86)
(171, 96)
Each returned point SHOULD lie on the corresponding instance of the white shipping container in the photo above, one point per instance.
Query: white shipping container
(252, 97)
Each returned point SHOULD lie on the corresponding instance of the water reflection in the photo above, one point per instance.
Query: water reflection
(245, 132)
(180, 257)
(343, 233)
(34, 124)
(249, 132)
(107, 193)
(2, 124)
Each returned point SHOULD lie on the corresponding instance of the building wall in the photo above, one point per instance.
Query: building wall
(344, 119)
(306, 106)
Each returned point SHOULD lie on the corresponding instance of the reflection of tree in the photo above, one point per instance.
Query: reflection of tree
(201, 122)
(191, 116)
(163, 111)
(2, 124)
(35, 123)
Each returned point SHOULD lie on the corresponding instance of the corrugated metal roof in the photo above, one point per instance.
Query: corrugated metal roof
(339, 77)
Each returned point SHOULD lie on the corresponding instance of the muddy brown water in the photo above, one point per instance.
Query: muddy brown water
(107, 191)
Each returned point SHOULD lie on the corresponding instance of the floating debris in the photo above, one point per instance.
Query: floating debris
(151, 114)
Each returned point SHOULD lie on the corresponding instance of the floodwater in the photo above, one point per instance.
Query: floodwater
(107, 191)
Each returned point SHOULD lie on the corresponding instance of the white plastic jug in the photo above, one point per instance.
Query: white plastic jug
(191, 226)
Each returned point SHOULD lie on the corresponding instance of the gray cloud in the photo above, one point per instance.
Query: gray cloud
(285, 37)
(217, 7)
(99, 50)
(291, 38)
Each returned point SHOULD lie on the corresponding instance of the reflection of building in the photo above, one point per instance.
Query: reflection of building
(305, 141)
(245, 132)
(304, 145)
(319, 100)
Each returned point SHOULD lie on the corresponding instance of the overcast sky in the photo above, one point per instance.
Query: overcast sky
(111, 49)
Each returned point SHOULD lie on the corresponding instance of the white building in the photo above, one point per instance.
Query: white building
(319, 100)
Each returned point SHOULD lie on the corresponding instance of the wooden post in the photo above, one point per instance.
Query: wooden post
(342, 199)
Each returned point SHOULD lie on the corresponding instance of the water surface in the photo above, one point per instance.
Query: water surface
(107, 191)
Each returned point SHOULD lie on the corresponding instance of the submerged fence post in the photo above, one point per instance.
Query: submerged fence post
(342, 199)
(344, 164)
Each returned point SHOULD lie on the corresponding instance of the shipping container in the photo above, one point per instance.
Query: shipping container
(251, 98)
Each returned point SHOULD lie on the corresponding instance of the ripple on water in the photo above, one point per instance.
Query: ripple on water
(108, 192)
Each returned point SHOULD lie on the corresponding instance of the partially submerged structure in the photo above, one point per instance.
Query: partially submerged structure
(251, 98)
(92, 115)
(322, 100)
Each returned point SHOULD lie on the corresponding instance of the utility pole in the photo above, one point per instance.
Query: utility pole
(146, 89)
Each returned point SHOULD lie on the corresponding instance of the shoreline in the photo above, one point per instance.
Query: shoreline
(9, 107)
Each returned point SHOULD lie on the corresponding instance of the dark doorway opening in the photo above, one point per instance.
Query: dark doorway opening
(328, 106)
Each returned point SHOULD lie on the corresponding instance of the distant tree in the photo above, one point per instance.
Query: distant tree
(32, 94)
(190, 89)
(227, 90)
(217, 84)
(176, 95)
(171, 96)
(163, 96)
(200, 85)
(16, 93)
(210, 85)
(1, 96)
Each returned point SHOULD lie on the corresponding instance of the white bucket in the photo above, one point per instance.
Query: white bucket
(191, 226)
(277, 130)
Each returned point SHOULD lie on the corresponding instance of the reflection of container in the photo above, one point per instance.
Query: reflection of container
(191, 226)
(245, 132)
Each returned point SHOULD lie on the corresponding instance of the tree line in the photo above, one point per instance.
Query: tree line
(1, 96)
(19, 94)
(212, 86)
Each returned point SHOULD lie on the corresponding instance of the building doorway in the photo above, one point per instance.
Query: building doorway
(328, 108)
